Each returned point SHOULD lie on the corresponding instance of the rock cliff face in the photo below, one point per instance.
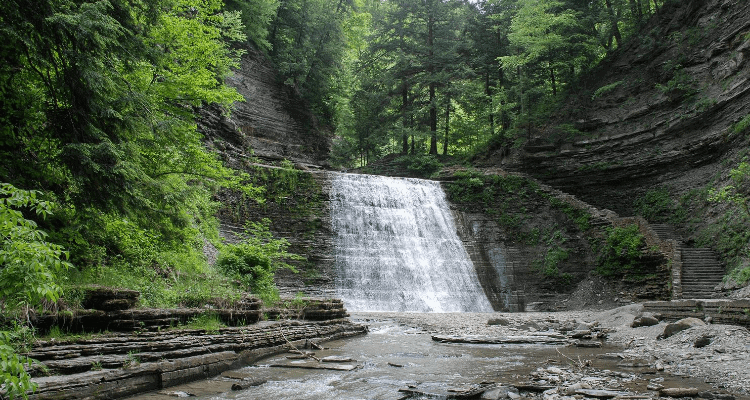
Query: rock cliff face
(273, 121)
(660, 111)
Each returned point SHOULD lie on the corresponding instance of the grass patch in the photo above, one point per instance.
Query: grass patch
(209, 322)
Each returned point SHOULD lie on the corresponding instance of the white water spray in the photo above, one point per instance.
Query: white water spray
(397, 248)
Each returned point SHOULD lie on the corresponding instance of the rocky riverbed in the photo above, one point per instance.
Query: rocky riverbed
(713, 353)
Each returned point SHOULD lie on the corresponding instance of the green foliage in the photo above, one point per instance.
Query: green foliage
(15, 381)
(131, 360)
(657, 205)
(210, 322)
(548, 266)
(742, 125)
(621, 251)
(421, 165)
(29, 264)
(605, 89)
(680, 86)
(256, 17)
(255, 258)
(580, 216)
(738, 193)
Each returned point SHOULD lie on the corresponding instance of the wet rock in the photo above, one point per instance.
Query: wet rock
(177, 393)
(248, 383)
(587, 344)
(600, 393)
(581, 334)
(497, 393)
(679, 392)
(337, 359)
(315, 365)
(571, 390)
(498, 321)
(681, 325)
(715, 395)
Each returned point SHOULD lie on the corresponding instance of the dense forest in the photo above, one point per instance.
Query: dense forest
(105, 178)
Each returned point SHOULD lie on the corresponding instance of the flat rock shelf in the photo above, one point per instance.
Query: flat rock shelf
(119, 365)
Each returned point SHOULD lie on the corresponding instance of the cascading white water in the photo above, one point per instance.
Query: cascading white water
(397, 248)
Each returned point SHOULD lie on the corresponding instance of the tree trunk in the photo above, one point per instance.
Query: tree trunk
(404, 122)
(614, 22)
(433, 84)
(447, 126)
(552, 80)
(433, 120)
(488, 92)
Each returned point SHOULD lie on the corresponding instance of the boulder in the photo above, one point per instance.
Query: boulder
(681, 325)
(644, 320)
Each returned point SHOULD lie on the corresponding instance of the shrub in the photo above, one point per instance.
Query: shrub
(255, 259)
(621, 252)
(605, 89)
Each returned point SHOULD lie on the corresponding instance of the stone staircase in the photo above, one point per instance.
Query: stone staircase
(701, 272)
(701, 269)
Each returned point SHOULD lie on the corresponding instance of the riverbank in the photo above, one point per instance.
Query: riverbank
(715, 353)
(113, 365)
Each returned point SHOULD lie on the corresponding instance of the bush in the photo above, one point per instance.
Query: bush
(422, 165)
(28, 268)
(605, 89)
(621, 252)
(255, 259)
(657, 206)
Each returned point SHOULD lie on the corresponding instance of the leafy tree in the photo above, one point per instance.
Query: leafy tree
(98, 110)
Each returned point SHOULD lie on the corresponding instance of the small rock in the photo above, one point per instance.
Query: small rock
(702, 341)
(600, 393)
(580, 334)
(496, 393)
(555, 370)
(395, 365)
(679, 392)
(681, 325)
(514, 395)
(248, 383)
(571, 390)
(654, 387)
(177, 393)
(498, 321)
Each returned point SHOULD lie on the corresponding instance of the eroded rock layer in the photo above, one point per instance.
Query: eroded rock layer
(661, 110)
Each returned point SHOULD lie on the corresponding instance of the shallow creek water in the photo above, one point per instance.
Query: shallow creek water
(395, 356)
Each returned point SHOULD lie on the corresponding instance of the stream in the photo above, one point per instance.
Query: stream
(396, 356)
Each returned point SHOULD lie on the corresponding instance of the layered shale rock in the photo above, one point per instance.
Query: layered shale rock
(273, 123)
(659, 111)
(118, 365)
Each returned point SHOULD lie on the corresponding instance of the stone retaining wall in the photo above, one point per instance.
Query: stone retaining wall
(736, 312)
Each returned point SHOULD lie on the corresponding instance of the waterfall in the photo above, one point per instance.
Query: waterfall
(396, 248)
